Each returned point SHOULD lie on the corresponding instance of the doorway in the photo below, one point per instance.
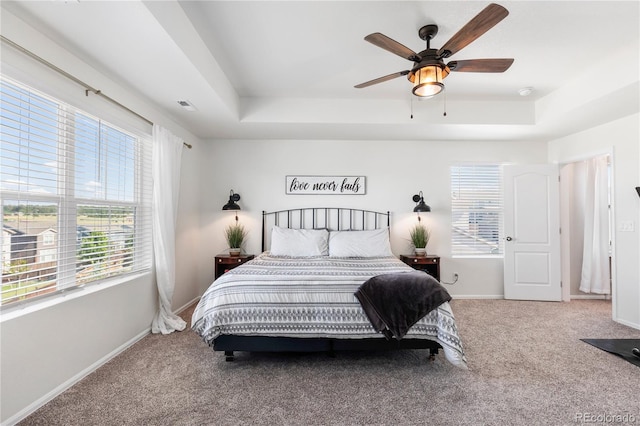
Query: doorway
(586, 223)
(532, 266)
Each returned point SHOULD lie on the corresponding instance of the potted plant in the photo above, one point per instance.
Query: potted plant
(419, 238)
(235, 235)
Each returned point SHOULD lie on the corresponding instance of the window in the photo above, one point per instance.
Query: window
(48, 238)
(476, 209)
(75, 194)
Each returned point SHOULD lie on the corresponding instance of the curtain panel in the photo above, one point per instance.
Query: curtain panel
(595, 260)
(167, 155)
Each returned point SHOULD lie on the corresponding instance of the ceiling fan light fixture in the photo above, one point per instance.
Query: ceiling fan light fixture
(427, 81)
(429, 68)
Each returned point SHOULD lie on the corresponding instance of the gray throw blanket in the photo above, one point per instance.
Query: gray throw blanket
(395, 302)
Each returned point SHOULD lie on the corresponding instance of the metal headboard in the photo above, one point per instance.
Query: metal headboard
(331, 218)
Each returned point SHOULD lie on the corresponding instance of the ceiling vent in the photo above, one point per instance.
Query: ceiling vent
(187, 105)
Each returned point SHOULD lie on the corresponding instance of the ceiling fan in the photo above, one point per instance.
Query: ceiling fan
(429, 68)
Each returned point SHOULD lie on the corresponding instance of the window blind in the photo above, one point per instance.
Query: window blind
(476, 209)
(75, 193)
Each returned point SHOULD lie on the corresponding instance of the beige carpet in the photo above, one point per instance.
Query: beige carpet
(527, 367)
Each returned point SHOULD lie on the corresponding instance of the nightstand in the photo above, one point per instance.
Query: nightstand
(429, 263)
(225, 262)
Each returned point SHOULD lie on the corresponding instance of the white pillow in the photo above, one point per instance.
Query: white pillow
(374, 243)
(299, 242)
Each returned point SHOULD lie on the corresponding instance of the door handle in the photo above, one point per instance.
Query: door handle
(509, 238)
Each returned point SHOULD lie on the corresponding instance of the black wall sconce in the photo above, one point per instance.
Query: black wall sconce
(232, 203)
(638, 190)
(420, 206)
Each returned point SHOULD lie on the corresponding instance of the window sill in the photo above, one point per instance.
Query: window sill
(18, 309)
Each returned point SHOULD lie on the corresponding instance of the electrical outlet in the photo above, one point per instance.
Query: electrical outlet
(626, 226)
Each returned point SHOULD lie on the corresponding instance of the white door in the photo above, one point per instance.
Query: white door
(532, 233)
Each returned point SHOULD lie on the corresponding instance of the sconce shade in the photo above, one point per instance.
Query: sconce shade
(231, 204)
(427, 81)
(421, 206)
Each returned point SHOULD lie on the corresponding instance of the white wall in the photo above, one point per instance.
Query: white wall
(49, 346)
(45, 351)
(395, 171)
(187, 288)
(621, 137)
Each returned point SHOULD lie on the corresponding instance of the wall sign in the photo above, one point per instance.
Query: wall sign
(326, 185)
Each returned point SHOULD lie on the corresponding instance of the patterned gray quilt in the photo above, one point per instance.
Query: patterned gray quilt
(308, 297)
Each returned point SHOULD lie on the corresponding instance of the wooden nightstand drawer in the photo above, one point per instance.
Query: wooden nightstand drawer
(428, 263)
(225, 262)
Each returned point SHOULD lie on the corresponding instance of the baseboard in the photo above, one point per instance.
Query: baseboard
(500, 296)
(478, 296)
(31, 408)
(590, 296)
(186, 305)
(628, 324)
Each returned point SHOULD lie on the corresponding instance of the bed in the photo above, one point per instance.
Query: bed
(298, 294)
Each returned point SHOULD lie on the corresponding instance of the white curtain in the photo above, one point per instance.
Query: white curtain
(167, 154)
(595, 257)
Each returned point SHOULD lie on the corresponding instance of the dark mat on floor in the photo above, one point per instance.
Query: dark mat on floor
(620, 347)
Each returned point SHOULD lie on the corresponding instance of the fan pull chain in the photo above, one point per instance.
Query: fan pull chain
(445, 102)
(411, 100)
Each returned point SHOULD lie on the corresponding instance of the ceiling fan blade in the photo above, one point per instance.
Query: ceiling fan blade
(382, 79)
(392, 46)
(480, 24)
(481, 65)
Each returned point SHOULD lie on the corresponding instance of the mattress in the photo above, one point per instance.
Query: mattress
(311, 297)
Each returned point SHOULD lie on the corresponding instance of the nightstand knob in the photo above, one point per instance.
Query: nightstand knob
(434, 261)
(415, 260)
(239, 260)
(219, 260)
